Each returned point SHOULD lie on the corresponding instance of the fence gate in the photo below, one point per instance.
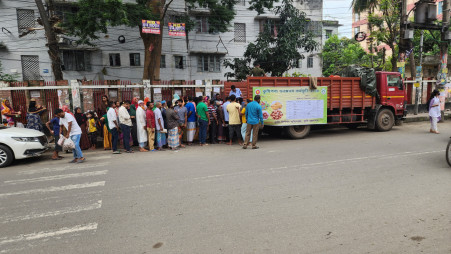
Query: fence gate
(190, 92)
(97, 97)
(127, 94)
(19, 102)
(51, 100)
(166, 94)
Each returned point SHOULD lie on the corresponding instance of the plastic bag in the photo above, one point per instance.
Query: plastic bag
(68, 144)
(367, 78)
(61, 140)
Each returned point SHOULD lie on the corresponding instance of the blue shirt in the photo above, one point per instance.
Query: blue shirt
(254, 114)
(56, 126)
(237, 93)
(190, 108)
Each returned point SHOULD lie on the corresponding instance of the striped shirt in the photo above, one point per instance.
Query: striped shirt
(212, 112)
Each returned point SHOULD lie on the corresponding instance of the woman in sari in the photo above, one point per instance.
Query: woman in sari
(107, 136)
(102, 109)
(8, 113)
(82, 122)
(173, 131)
(34, 116)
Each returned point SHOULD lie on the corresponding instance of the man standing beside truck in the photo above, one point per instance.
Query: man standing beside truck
(254, 117)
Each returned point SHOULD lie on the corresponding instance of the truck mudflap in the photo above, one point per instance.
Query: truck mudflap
(372, 117)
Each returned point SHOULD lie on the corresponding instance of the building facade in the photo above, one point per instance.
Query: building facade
(119, 54)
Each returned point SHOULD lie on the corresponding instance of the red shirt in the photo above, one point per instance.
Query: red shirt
(150, 116)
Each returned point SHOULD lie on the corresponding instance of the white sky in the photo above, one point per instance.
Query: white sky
(339, 10)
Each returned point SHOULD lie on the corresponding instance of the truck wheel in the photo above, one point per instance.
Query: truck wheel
(6, 156)
(385, 120)
(297, 131)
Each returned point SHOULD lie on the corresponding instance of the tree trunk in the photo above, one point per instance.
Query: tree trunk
(152, 56)
(54, 53)
(394, 59)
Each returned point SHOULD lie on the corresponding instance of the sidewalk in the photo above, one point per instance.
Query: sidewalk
(410, 118)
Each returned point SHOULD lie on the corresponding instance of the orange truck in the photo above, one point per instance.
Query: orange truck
(347, 103)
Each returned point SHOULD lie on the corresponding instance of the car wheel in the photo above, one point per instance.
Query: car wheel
(6, 156)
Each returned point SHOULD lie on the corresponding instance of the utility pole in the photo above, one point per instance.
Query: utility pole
(402, 41)
(443, 73)
(417, 90)
(51, 41)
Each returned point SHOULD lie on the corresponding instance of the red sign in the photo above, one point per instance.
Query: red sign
(151, 27)
(177, 29)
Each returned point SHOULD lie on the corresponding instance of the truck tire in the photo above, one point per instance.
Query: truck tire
(6, 156)
(297, 131)
(385, 120)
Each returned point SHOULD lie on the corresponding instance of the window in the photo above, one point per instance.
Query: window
(209, 63)
(64, 10)
(392, 80)
(163, 61)
(356, 30)
(240, 32)
(299, 63)
(310, 62)
(25, 20)
(180, 62)
(440, 8)
(30, 67)
(241, 2)
(76, 60)
(202, 24)
(135, 59)
(316, 27)
(115, 59)
(328, 34)
(270, 24)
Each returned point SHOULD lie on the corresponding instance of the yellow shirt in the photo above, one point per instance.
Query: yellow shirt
(92, 125)
(243, 115)
(234, 113)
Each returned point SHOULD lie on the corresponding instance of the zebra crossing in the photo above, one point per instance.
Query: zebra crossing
(50, 204)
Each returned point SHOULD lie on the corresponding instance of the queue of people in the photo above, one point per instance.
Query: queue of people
(147, 125)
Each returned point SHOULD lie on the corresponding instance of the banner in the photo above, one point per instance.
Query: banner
(285, 106)
(151, 27)
(176, 29)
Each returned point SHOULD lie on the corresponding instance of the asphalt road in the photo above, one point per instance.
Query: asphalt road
(338, 191)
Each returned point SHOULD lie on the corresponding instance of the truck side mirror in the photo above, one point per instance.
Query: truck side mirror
(400, 85)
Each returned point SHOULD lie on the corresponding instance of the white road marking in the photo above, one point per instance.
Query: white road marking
(56, 177)
(55, 188)
(47, 234)
(67, 210)
(57, 169)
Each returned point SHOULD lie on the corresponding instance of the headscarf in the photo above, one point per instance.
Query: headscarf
(32, 106)
(80, 117)
(146, 100)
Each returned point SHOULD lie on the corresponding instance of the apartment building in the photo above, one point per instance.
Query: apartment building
(119, 53)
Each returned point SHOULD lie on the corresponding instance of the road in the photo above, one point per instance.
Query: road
(338, 191)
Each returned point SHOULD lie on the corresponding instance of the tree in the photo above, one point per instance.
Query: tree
(387, 25)
(96, 16)
(240, 66)
(359, 6)
(340, 53)
(277, 47)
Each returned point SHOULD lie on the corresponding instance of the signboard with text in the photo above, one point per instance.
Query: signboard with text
(285, 106)
(176, 29)
(151, 27)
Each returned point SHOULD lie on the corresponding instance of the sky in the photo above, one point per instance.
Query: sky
(339, 10)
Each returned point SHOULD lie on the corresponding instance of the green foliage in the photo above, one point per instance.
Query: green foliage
(340, 53)
(359, 6)
(241, 68)
(7, 77)
(277, 54)
(386, 25)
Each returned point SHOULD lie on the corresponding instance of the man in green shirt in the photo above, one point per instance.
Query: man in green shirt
(257, 71)
(204, 121)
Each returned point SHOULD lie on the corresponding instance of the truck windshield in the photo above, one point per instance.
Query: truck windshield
(393, 80)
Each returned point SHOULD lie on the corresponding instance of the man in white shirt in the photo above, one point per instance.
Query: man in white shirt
(113, 125)
(235, 91)
(126, 125)
(73, 132)
(226, 115)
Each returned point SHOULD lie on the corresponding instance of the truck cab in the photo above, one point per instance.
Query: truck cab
(392, 92)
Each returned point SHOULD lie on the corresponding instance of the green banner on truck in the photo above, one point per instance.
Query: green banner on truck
(286, 106)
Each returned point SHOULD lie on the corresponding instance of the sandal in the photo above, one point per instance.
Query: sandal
(255, 147)
(81, 160)
(73, 161)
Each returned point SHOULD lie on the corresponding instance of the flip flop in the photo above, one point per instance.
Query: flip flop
(255, 147)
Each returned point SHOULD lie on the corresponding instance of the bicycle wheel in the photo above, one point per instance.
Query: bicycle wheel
(448, 153)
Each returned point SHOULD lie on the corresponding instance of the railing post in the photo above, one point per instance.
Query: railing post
(75, 90)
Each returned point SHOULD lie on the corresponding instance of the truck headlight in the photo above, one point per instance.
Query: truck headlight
(26, 139)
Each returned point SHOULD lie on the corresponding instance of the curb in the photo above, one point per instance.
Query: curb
(422, 118)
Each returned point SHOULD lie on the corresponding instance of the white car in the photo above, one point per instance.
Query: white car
(20, 143)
